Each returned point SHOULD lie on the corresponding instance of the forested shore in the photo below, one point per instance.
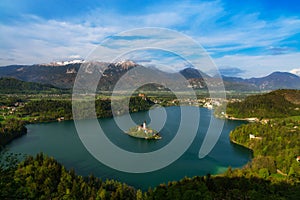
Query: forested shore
(273, 173)
(48, 110)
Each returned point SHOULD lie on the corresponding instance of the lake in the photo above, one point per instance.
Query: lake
(60, 140)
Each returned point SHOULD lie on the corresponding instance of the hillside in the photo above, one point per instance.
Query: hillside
(278, 141)
(15, 86)
(275, 80)
(279, 103)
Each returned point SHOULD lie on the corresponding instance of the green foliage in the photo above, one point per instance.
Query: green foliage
(10, 129)
(138, 104)
(223, 187)
(44, 178)
(10, 100)
(47, 110)
(15, 86)
(277, 145)
(279, 103)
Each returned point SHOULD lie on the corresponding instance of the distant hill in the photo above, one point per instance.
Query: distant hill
(60, 76)
(276, 80)
(15, 86)
(276, 104)
(63, 76)
(190, 72)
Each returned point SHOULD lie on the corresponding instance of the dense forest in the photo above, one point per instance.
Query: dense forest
(275, 139)
(279, 103)
(276, 142)
(15, 86)
(43, 177)
(45, 110)
(10, 129)
(49, 110)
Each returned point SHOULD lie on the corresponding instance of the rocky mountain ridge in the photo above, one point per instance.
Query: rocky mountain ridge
(63, 75)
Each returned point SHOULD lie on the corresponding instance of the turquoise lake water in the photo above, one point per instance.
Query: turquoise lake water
(60, 140)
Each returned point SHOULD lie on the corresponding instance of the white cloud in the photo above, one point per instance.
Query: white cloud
(250, 32)
(43, 41)
(256, 66)
(38, 40)
(162, 15)
(171, 48)
(75, 56)
(295, 71)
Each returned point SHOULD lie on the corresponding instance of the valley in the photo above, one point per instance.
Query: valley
(25, 106)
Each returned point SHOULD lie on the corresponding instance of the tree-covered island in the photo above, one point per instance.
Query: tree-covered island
(142, 131)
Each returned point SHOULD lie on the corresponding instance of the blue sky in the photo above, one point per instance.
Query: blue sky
(244, 38)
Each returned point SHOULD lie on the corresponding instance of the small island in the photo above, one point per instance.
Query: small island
(144, 132)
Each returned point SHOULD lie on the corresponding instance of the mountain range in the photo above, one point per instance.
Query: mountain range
(63, 76)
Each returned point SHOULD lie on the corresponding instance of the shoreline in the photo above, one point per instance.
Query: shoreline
(15, 135)
(248, 119)
(240, 144)
(38, 120)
